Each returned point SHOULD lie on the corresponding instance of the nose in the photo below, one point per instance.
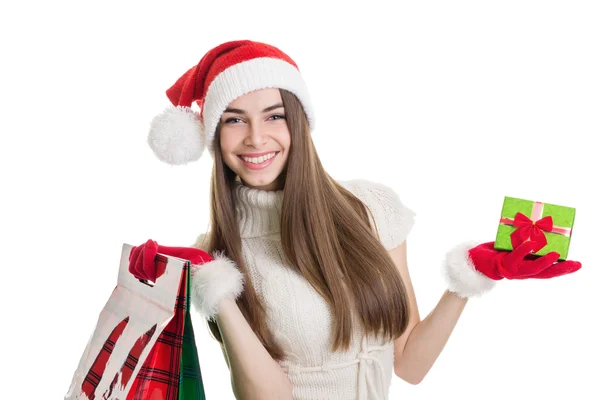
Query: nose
(256, 136)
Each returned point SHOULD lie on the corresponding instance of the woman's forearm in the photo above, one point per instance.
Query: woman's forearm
(428, 338)
(254, 373)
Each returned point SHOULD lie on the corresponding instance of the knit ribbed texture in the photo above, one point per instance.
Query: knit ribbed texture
(299, 317)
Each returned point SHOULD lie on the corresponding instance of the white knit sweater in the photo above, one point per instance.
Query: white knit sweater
(299, 317)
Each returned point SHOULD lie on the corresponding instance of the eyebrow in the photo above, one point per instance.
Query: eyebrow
(238, 111)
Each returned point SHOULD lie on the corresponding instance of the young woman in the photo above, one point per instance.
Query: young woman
(312, 298)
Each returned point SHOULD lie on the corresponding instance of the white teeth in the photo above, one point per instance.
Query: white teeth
(258, 160)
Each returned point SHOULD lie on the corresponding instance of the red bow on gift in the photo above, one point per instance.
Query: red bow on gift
(532, 230)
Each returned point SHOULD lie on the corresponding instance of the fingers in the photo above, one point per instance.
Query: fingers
(558, 269)
(517, 255)
(134, 262)
(148, 265)
(141, 261)
(521, 263)
(517, 264)
(160, 268)
(530, 268)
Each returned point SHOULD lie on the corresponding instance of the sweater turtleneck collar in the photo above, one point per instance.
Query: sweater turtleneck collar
(258, 211)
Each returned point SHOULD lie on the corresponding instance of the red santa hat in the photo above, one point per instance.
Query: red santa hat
(179, 135)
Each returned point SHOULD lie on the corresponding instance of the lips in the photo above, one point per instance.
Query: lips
(263, 165)
(257, 154)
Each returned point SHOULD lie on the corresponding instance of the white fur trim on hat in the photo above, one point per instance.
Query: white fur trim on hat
(248, 76)
(460, 274)
(176, 136)
(214, 281)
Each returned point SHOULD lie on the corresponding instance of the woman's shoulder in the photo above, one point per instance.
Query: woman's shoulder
(393, 219)
(201, 242)
(365, 187)
(374, 194)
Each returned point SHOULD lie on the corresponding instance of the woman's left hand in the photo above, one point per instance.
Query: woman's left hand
(472, 270)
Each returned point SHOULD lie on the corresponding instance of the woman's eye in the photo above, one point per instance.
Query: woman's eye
(232, 120)
(277, 116)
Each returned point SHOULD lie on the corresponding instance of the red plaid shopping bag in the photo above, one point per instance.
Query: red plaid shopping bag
(143, 347)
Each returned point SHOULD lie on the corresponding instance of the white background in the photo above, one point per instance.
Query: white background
(453, 104)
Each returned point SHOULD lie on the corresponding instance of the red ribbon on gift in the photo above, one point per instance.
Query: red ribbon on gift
(533, 229)
(530, 230)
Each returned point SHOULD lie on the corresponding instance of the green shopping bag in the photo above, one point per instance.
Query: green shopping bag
(190, 383)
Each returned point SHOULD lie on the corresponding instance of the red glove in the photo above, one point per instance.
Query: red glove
(519, 263)
(213, 279)
(142, 263)
(472, 270)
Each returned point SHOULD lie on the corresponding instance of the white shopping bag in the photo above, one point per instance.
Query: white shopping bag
(128, 327)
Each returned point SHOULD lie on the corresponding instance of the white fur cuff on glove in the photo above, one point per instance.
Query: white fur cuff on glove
(460, 274)
(214, 281)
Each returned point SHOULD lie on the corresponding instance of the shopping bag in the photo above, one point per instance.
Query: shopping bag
(143, 346)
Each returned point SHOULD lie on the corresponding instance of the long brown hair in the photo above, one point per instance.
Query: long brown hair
(330, 240)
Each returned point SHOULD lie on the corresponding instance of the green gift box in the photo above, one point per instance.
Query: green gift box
(535, 220)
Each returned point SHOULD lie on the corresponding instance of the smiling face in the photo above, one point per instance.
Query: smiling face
(255, 139)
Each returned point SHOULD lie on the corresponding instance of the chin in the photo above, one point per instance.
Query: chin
(266, 179)
(260, 183)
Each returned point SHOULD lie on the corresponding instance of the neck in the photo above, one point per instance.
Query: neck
(258, 210)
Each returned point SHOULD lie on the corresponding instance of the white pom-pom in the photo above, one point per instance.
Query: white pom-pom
(176, 136)
(460, 274)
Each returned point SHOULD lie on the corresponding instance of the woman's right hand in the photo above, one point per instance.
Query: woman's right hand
(213, 279)
(142, 259)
